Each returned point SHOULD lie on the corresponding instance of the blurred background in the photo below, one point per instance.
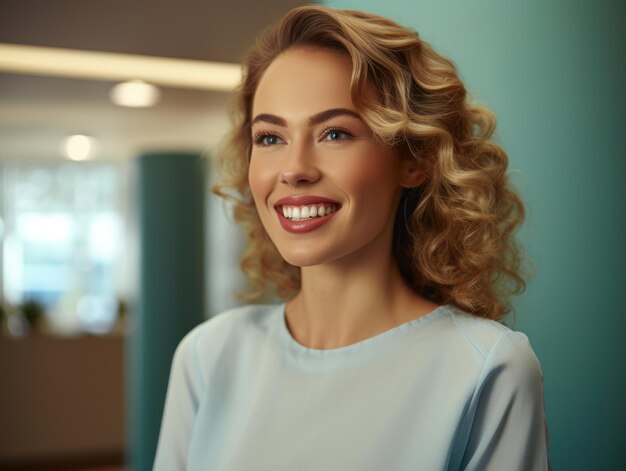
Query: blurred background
(111, 247)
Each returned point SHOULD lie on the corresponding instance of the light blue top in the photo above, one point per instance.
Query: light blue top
(447, 391)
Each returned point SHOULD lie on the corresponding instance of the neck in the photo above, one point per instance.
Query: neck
(348, 301)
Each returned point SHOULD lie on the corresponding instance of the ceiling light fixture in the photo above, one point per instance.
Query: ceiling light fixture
(78, 147)
(110, 66)
(135, 94)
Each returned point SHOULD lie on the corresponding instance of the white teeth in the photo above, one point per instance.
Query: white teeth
(299, 213)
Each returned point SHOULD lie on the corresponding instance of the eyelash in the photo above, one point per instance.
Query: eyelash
(259, 136)
(331, 129)
(257, 140)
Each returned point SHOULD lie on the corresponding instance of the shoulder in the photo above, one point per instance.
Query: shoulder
(228, 327)
(504, 424)
(238, 318)
(496, 346)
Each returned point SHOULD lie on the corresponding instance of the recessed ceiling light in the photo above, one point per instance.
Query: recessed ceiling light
(78, 147)
(135, 94)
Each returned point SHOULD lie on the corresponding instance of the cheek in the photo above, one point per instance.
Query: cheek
(253, 179)
(372, 179)
(258, 180)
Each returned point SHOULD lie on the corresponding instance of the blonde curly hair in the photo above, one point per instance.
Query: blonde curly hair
(453, 236)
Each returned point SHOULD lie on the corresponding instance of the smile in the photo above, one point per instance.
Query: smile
(303, 213)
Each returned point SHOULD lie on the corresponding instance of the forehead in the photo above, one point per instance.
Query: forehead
(304, 81)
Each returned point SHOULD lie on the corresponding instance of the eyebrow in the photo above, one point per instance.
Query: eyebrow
(313, 120)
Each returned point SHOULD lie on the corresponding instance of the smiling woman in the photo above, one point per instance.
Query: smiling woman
(379, 209)
(320, 156)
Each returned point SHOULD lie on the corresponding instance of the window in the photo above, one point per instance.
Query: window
(63, 241)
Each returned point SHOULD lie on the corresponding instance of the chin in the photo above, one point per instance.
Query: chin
(303, 258)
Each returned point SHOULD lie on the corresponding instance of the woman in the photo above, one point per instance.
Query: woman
(378, 208)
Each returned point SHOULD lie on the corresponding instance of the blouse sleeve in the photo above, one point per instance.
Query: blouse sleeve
(509, 428)
(181, 405)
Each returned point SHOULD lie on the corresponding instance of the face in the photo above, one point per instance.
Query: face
(326, 191)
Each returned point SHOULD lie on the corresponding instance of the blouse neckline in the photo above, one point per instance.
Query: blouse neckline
(361, 346)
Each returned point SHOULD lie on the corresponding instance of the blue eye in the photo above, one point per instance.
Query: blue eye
(269, 140)
(266, 139)
(333, 134)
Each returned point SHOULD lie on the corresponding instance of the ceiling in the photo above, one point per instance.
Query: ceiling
(37, 112)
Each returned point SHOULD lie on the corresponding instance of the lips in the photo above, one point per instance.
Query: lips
(305, 213)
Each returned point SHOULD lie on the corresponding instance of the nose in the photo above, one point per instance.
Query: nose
(299, 167)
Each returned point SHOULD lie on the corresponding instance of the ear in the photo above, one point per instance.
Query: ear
(412, 175)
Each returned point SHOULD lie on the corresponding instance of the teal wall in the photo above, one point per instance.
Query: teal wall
(553, 73)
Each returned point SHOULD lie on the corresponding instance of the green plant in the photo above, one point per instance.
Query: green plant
(32, 311)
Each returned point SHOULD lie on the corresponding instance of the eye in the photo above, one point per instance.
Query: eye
(336, 134)
(266, 139)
